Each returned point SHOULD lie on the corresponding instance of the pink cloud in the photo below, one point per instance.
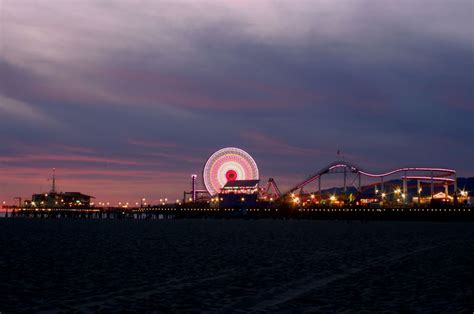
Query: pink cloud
(72, 158)
(153, 144)
(173, 151)
(76, 149)
(264, 142)
(125, 86)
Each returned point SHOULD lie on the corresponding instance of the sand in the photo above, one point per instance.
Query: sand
(235, 265)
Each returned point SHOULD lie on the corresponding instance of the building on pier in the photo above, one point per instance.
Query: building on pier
(239, 193)
(55, 199)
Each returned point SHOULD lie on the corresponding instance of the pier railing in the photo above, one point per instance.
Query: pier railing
(336, 213)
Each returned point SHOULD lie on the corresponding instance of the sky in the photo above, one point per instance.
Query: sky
(127, 99)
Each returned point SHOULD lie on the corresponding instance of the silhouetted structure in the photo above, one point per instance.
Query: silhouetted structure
(53, 199)
(239, 193)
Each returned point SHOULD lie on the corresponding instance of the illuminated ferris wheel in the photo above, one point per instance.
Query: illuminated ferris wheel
(228, 164)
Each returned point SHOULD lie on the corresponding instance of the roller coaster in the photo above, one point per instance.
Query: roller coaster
(432, 175)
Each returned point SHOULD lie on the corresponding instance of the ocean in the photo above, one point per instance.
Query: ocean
(235, 265)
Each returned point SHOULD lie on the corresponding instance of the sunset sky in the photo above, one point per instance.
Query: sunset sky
(128, 98)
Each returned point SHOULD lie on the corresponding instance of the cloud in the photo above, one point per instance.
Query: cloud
(68, 158)
(217, 55)
(12, 108)
(261, 141)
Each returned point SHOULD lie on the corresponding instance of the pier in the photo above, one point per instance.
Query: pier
(318, 213)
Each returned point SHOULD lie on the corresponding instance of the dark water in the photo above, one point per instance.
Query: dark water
(235, 265)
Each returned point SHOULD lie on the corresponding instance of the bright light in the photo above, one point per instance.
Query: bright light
(228, 164)
(312, 196)
(332, 198)
(398, 191)
(383, 195)
(242, 199)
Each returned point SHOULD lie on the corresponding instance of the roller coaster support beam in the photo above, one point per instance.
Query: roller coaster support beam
(405, 188)
(432, 185)
(359, 188)
(319, 189)
(345, 177)
(446, 191)
(455, 196)
(418, 190)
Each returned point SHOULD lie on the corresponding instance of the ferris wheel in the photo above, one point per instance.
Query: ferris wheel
(228, 164)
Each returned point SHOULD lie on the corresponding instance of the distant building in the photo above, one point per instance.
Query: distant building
(54, 199)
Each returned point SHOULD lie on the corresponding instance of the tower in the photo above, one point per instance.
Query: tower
(53, 188)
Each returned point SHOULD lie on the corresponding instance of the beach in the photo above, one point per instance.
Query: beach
(235, 265)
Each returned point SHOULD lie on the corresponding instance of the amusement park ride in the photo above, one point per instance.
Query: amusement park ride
(231, 176)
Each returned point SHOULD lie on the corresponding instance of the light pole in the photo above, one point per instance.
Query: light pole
(193, 177)
(6, 209)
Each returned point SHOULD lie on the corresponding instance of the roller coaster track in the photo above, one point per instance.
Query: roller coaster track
(433, 174)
